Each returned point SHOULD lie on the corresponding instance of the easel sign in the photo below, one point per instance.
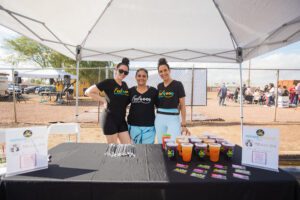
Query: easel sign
(2, 153)
(26, 149)
(260, 147)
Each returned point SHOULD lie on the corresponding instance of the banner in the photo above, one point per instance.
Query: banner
(26, 149)
(260, 147)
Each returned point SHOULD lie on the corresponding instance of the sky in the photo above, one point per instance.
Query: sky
(286, 57)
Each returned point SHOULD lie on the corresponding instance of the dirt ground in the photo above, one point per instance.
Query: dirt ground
(222, 121)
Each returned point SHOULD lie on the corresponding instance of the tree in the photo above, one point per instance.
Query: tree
(29, 50)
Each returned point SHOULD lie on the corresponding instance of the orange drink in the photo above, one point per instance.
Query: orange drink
(214, 152)
(187, 150)
(179, 145)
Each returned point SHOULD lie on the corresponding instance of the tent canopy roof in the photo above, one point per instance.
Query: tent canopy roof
(45, 73)
(143, 30)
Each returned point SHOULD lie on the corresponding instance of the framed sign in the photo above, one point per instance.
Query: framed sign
(26, 149)
(260, 147)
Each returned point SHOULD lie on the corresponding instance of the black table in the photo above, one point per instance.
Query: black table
(82, 171)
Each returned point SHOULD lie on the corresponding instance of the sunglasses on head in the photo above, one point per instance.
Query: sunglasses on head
(121, 71)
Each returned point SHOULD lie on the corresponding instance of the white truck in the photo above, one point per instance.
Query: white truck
(3, 84)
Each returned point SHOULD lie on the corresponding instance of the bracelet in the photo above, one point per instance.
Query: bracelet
(183, 125)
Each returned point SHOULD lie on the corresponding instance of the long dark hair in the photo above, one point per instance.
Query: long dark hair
(141, 69)
(162, 61)
(125, 61)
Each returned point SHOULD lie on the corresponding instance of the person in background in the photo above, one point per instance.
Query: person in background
(285, 91)
(236, 94)
(114, 93)
(222, 95)
(171, 103)
(297, 94)
(279, 90)
(141, 116)
(292, 94)
(271, 95)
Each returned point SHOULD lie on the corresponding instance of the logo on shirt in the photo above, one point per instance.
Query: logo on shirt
(121, 92)
(164, 94)
(140, 99)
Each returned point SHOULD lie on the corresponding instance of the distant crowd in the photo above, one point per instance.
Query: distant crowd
(265, 96)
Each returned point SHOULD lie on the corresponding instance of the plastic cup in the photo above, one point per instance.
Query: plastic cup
(172, 151)
(195, 140)
(203, 137)
(181, 137)
(222, 146)
(191, 137)
(220, 140)
(209, 135)
(228, 149)
(187, 149)
(179, 145)
(165, 136)
(168, 140)
(208, 141)
(200, 150)
(214, 152)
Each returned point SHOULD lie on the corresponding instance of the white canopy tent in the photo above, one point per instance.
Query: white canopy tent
(143, 30)
(45, 73)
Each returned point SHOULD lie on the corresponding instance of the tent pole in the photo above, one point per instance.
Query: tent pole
(192, 95)
(78, 58)
(241, 98)
(276, 95)
(14, 94)
(239, 57)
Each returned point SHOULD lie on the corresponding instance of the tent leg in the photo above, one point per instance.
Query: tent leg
(276, 95)
(241, 99)
(14, 95)
(78, 58)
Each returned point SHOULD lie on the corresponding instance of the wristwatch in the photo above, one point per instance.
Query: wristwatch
(183, 125)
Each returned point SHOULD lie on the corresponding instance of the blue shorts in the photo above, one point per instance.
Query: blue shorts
(142, 134)
(167, 124)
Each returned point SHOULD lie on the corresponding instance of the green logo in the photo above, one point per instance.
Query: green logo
(164, 94)
(229, 153)
(201, 153)
(171, 153)
(27, 133)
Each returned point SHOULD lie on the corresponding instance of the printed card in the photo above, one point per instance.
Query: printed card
(220, 171)
(218, 176)
(240, 176)
(240, 171)
(200, 171)
(203, 166)
(238, 167)
(220, 166)
(201, 176)
(180, 170)
(182, 166)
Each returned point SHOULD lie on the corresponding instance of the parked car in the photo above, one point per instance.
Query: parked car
(30, 89)
(45, 89)
(10, 90)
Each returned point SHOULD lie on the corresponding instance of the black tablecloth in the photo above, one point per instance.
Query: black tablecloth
(82, 171)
